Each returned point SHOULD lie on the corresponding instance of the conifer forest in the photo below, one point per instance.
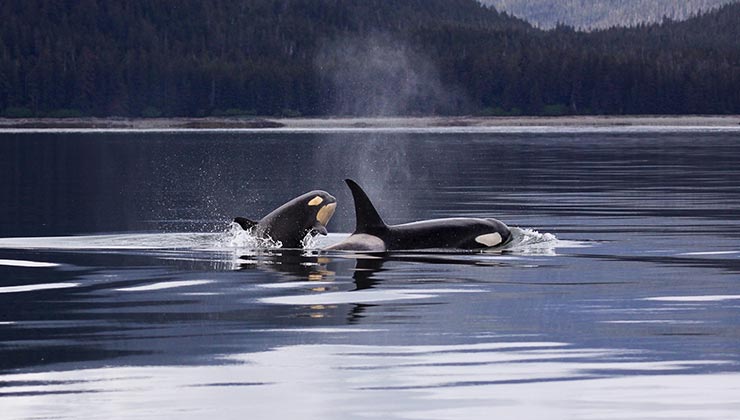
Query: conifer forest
(144, 58)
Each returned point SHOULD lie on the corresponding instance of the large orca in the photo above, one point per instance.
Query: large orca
(372, 234)
(290, 223)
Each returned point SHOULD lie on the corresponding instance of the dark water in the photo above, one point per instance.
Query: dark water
(124, 293)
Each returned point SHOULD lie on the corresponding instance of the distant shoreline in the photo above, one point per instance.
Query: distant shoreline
(211, 123)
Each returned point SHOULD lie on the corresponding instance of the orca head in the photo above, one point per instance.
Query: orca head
(290, 223)
(320, 207)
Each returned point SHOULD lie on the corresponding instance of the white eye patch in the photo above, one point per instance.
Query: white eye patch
(315, 201)
(490, 239)
(325, 213)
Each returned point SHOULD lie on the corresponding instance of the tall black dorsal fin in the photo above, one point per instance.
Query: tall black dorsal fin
(367, 217)
(245, 223)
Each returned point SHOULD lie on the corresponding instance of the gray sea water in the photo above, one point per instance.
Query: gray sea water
(126, 293)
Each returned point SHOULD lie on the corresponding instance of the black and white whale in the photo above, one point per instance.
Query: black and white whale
(372, 234)
(290, 223)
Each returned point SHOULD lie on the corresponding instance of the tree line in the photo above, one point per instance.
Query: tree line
(593, 14)
(352, 57)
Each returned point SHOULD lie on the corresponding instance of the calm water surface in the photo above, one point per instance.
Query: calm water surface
(125, 293)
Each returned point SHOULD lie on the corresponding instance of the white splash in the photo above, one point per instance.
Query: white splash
(311, 242)
(532, 242)
(236, 237)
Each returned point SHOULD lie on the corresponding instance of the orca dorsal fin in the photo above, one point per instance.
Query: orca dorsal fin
(245, 223)
(367, 218)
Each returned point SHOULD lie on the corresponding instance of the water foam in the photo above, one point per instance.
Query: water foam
(311, 242)
(530, 241)
(236, 237)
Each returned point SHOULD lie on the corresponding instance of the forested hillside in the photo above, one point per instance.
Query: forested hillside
(351, 57)
(593, 14)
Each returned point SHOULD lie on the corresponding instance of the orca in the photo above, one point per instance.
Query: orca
(290, 223)
(373, 235)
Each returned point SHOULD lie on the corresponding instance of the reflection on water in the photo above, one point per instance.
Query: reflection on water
(489, 379)
(125, 294)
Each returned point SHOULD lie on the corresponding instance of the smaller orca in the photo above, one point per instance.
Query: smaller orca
(290, 223)
(372, 234)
